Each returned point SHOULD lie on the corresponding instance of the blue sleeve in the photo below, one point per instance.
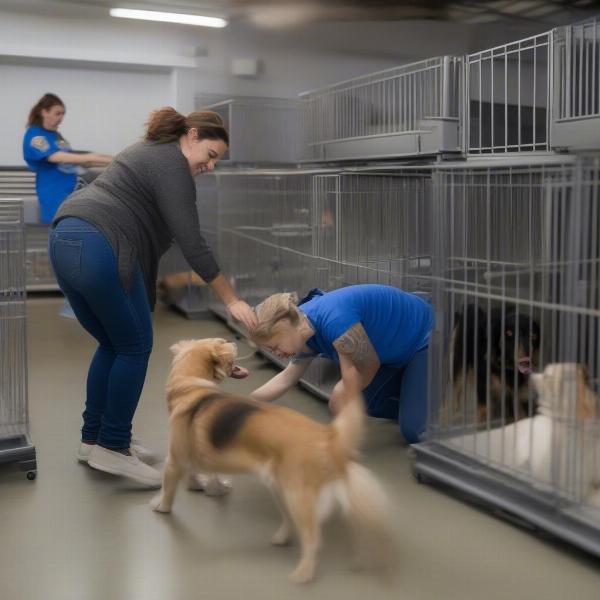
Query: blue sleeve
(336, 322)
(38, 145)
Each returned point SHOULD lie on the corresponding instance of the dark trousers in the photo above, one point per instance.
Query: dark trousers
(401, 394)
(119, 320)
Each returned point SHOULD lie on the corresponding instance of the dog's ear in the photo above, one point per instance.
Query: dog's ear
(175, 348)
(179, 346)
(223, 354)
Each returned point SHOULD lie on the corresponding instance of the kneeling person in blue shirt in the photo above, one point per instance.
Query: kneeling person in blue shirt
(376, 333)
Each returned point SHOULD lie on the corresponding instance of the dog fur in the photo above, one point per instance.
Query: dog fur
(308, 466)
(565, 393)
(565, 396)
(510, 356)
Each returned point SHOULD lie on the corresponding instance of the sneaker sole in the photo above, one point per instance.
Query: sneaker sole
(117, 472)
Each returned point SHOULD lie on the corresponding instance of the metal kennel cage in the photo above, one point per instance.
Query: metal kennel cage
(374, 227)
(15, 441)
(292, 230)
(261, 130)
(20, 183)
(508, 100)
(408, 110)
(178, 286)
(516, 278)
(576, 123)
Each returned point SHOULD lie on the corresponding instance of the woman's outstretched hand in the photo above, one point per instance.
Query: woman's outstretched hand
(243, 312)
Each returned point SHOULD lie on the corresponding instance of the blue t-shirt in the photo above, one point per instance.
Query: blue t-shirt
(53, 181)
(397, 323)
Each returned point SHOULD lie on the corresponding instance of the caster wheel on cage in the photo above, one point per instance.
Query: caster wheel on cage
(31, 475)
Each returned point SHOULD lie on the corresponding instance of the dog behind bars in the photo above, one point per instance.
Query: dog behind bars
(500, 352)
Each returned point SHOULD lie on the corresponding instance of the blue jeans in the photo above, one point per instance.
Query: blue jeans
(86, 271)
(401, 394)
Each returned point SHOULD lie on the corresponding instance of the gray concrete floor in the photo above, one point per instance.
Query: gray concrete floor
(79, 534)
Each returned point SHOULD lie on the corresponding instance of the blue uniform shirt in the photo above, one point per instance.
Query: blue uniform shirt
(397, 323)
(53, 181)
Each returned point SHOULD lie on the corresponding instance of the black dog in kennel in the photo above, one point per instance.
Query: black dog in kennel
(494, 352)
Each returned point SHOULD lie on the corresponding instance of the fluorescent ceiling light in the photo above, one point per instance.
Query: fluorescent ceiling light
(168, 17)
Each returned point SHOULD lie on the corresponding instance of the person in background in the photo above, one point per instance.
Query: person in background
(50, 156)
(378, 335)
(105, 245)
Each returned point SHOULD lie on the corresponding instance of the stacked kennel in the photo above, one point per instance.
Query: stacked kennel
(506, 236)
(576, 90)
(516, 290)
(508, 98)
(15, 442)
(517, 249)
(261, 130)
(411, 110)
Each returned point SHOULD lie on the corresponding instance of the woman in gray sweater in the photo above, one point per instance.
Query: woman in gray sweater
(105, 246)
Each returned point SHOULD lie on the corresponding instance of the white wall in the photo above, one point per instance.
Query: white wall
(106, 109)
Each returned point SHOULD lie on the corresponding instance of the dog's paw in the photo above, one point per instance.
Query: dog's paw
(283, 536)
(303, 574)
(157, 504)
(217, 486)
(210, 485)
(197, 482)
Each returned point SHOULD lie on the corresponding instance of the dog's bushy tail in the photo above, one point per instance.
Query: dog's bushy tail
(349, 424)
(368, 511)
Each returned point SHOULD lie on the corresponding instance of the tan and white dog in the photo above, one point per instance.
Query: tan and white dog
(309, 467)
(571, 408)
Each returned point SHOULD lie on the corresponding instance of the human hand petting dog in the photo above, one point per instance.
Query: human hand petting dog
(243, 312)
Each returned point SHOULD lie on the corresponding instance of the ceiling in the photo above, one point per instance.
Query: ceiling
(289, 13)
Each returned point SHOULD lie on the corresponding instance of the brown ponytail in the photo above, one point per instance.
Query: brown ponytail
(167, 125)
(46, 102)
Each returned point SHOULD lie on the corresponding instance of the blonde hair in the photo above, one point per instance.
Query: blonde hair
(272, 310)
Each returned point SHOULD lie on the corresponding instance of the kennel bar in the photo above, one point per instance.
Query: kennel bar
(19, 182)
(508, 97)
(265, 243)
(178, 286)
(15, 441)
(576, 118)
(261, 130)
(517, 242)
(408, 110)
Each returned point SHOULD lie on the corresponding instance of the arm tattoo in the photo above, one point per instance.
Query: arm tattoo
(356, 345)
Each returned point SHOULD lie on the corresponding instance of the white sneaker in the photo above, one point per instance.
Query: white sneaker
(83, 452)
(131, 466)
(143, 453)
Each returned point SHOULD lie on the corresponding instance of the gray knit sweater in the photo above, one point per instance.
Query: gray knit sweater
(145, 199)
